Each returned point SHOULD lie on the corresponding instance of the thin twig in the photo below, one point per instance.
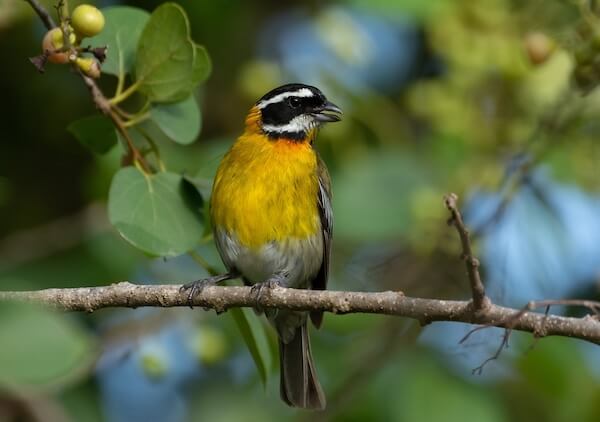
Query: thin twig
(480, 301)
(42, 13)
(496, 355)
(103, 104)
(539, 331)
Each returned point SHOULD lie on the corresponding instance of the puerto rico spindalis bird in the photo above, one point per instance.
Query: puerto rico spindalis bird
(272, 220)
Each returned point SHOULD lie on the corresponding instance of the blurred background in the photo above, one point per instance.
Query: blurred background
(493, 100)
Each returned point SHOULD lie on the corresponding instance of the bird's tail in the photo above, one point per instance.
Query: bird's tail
(299, 384)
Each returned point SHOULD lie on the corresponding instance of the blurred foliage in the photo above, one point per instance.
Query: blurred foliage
(67, 349)
(496, 101)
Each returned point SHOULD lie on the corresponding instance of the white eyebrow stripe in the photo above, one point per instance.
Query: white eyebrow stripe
(302, 92)
(301, 123)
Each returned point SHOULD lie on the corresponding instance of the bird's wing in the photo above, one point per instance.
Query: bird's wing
(326, 214)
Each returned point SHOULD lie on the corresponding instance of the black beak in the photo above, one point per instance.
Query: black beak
(328, 113)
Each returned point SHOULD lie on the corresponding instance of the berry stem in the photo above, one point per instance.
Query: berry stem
(119, 98)
(136, 119)
(137, 157)
(153, 148)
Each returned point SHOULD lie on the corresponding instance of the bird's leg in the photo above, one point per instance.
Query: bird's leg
(196, 287)
(259, 289)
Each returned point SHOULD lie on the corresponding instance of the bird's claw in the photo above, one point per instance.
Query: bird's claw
(194, 288)
(259, 290)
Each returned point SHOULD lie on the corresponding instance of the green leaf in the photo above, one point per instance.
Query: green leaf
(156, 213)
(121, 35)
(201, 69)
(178, 121)
(169, 64)
(253, 332)
(40, 347)
(202, 65)
(95, 132)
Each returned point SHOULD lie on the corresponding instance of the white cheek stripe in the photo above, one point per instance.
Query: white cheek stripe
(302, 92)
(302, 123)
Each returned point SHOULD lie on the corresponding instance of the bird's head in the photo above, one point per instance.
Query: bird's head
(293, 112)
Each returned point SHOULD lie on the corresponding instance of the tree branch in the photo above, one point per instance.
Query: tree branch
(480, 300)
(389, 303)
(42, 13)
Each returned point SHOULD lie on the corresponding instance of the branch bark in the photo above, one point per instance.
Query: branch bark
(388, 303)
(42, 13)
(480, 300)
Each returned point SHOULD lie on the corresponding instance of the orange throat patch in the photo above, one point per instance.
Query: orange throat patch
(266, 189)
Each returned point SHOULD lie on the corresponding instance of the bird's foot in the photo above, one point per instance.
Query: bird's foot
(194, 288)
(260, 289)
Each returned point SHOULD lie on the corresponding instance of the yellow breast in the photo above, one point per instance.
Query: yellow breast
(266, 190)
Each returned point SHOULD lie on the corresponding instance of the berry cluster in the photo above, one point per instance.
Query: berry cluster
(86, 21)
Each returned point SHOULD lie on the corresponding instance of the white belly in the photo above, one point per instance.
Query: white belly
(299, 260)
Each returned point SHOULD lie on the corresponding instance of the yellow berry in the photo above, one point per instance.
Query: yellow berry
(539, 47)
(87, 20)
(89, 66)
(53, 41)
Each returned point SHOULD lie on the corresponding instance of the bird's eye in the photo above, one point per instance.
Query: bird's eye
(294, 102)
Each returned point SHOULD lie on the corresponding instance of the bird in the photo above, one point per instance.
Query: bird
(272, 221)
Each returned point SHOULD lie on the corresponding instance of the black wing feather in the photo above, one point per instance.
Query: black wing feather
(326, 215)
